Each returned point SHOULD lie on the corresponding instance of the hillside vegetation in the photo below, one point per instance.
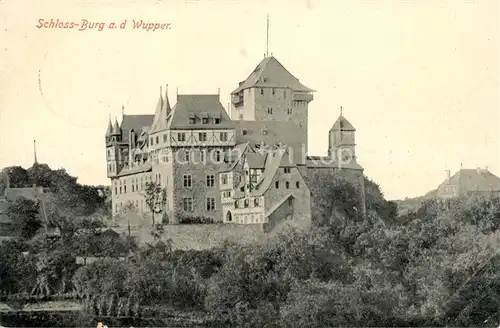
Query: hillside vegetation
(439, 267)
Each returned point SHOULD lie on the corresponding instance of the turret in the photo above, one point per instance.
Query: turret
(116, 131)
(341, 140)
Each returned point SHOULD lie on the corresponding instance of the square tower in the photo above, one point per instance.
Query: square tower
(271, 93)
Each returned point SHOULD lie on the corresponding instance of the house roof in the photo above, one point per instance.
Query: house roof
(475, 180)
(135, 122)
(342, 124)
(268, 132)
(233, 157)
(134, 170)
(197, 107)
(271, 73)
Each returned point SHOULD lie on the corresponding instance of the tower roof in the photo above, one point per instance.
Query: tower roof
(110, 128)
(116, 128)
(161, 114)
(342, 124)
(271, 73)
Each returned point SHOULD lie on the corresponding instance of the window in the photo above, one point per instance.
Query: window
(192, 120)
(187, 181)
(286, 170)
(261, 91)
(256, 202)
(277, 184)
(223, 136)
(187, 204)
(269, 110)
(210, 180)
(151, 141)
(217, 155)
(245, 203)
(226, 194)
(217, 120)
(223, 179)
(157, 140)
(241, 116)
(125, 189)
(273, 91)
(236, 204)
(133, 188)
(165, 137)
(244, 132)
(210, 203)
(204, 120)
(289, 111)
(202, 136)
(297, 184)
(187, 155)
(290, 201)
(287, 185)
(181, 136)
(202, 155)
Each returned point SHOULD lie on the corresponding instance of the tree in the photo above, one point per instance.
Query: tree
(18, 177)
(25, 217)
(155, 197)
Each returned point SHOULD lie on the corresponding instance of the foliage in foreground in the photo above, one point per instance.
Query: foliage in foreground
(439, 267)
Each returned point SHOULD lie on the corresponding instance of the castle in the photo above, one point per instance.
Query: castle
(245, 166)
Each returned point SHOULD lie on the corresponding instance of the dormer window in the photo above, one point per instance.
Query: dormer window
(244, 132)
(217, 120)
(289, 111)
(269, 110)
(205, 120)
(192, 120)
(261, 91)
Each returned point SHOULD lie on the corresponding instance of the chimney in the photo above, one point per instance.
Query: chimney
(448, 175)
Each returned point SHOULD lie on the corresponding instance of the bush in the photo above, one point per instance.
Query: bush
(195, 220)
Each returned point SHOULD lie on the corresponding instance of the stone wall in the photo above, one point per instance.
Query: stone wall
(206, 236)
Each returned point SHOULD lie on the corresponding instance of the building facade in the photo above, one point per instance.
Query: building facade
(469, 182)
(244, 165)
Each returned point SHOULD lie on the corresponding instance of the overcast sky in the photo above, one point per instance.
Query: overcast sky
(418, 80)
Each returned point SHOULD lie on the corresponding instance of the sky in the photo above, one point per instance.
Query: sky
(419, 80)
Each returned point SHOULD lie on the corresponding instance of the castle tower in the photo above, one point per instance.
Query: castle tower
(341, 140)
(272, 93)
(114, 158)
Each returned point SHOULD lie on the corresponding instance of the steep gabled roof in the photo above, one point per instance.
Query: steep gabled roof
(135, 122)
(235, 155)
(198, 107)
(270, 73)
(342, 124)
(475, 180)
(273, 162)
